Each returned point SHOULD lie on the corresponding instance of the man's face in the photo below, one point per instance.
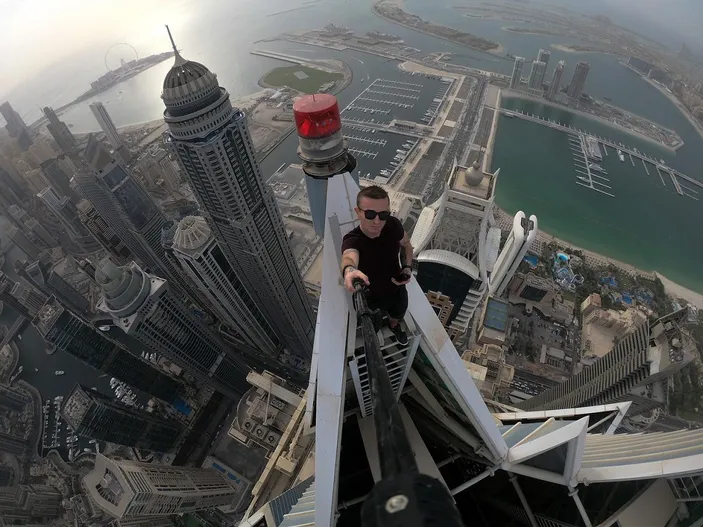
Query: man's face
(372, 227)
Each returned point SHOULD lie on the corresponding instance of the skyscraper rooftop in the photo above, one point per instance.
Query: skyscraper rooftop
(192, 233)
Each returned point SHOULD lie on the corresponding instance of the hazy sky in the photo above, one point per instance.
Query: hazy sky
(37, 34)
(674, 18)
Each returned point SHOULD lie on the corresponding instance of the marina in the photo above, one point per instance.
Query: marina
(587, 138)
(589, 175)
(645, 167)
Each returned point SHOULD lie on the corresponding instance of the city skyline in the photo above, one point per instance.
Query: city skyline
(179, 341)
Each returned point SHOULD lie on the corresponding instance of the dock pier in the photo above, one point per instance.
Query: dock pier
(675, 175)
(585, 176)
(660, 175)
(676, 183)
(645, 166)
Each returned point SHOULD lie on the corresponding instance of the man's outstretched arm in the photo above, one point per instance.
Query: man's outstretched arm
(350, 271)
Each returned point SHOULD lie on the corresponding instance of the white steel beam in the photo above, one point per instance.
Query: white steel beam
(523, 500)
(574, 493)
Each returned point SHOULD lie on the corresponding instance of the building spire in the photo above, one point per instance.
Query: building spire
(179, 60)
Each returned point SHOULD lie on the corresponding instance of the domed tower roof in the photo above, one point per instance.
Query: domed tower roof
(188, 86)
(192, 233)
(474, 176)
(183, 72)
(124, 288)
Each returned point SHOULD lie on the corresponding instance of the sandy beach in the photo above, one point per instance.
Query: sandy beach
(678, 291)
(673, 289)
(568, 49)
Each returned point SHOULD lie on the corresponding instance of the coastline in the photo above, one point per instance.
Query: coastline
(678, 291)
(498, 51)
(568, 49)
(671, 98)
(672, 288)
(519, 95)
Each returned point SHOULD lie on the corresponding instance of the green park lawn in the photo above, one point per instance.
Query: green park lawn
(285, 76)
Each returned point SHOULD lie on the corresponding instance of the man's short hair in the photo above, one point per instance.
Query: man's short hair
(372, 192)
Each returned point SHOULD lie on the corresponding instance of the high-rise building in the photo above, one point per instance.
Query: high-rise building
(94, 347)
(106, 124)
(203, 260)
(212, 142)
(556, 81)
(60, 132)
(537, 73)
(159, 170)
(129, 210)
(36, 180)
(30, 505)
(97, 416)
(145, 307)
(517, 244)
(41, 233)
(13, 444)
(13, 399)
(636, 369)
(42, 149)
(578, 81)
(516, 76)
(50, 282)
(29, 297)
(456, 246)
(103, 232)
(11, 300)
(11, 189)
(128, 489)
(544, 55)
(24, 243)
(67, 213)
(19, 216)
(88, 268)
(16, 126)
(59, 180)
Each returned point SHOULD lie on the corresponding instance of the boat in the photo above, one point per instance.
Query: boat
(36, 369)
(621, 156)
(59, 372)
(583, 179)
(595, 167)
(509, 115)
(593, 151)
(19, 337)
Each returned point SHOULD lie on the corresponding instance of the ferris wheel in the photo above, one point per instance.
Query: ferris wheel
(119, 57)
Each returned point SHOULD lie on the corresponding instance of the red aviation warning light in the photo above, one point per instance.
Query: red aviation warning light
(321, 145)
(321, 148)
(317, 116)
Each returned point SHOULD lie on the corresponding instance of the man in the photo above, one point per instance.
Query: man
(379, 252)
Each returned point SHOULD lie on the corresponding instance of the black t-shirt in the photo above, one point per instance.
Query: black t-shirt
(378, 257)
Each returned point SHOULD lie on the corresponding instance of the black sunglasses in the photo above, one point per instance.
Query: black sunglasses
(371, 214)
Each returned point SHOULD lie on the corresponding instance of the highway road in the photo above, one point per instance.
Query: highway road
(460, 142)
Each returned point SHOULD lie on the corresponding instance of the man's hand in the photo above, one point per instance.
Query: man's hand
(406, 274)
(349, 277)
